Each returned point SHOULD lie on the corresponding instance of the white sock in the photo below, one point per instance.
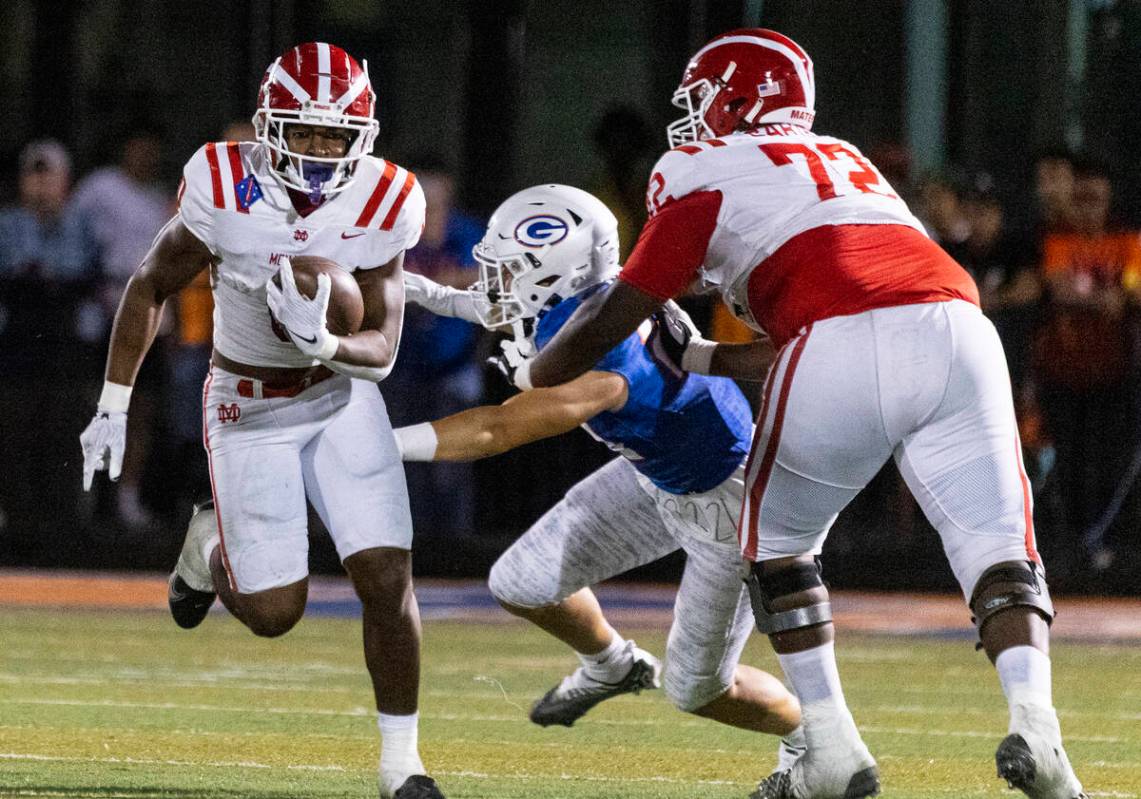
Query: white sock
(399, 751)
(816, 682)
(1025, 676)
(208, 548)
(611, 664)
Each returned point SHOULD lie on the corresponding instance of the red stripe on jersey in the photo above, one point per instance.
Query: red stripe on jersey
(236, 173)
(744, 530)
(1027, 504)
(213, 489)
(688, 149)
(715, 143)
(757, 489)
(839, 270)
(390, 219)
(215, 175)
(672, 245)
(377, 195)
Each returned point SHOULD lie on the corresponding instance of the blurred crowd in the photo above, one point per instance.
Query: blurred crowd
(1058, 271)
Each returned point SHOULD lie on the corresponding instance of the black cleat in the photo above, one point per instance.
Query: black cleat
(187, 606)
(189, 592)
(569, 701)
(418, 786)
(779, 785)
(1017, 765)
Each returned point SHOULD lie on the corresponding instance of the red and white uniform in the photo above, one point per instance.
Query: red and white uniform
(330, 441)
(884, 352)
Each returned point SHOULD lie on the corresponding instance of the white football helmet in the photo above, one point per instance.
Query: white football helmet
(543, 245)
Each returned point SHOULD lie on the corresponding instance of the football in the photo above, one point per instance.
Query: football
(346, 306)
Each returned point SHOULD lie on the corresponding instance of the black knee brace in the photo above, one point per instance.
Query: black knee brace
(763, 589)
(1031, 592)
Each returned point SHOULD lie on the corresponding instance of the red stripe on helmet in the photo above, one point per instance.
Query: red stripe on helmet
(390, 219)
(764, 33)
(302, 67)
(215, 175)
(236, 173)
(365, 219)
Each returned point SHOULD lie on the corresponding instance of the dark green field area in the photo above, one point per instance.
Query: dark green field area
(125, 705)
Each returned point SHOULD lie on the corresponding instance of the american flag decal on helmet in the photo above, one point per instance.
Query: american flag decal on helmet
(768, 88)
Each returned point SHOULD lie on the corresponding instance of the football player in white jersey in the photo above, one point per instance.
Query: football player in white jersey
(677, 485)
(297, 415)
(884, 353)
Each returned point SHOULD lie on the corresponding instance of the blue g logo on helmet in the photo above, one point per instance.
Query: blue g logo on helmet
(541, 230)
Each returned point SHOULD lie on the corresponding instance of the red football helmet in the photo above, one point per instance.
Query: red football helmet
(316, 84)
(740, 80)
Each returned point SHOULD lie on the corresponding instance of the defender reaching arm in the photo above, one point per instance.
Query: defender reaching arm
(492, 429)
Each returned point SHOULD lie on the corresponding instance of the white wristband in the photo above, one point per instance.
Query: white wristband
(417, 442)
(116, 398)
(329, 346)
(523, 376)
(698, 356)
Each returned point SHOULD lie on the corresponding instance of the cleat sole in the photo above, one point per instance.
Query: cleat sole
(1015, 763)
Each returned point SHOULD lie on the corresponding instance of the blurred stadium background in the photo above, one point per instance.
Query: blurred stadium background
(1010, 126)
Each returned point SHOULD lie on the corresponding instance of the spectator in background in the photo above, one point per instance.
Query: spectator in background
(1092, 275)
(437, 372)
(48, 276)
(1053, 192)
(940, 209)
(1005, 269)
(125, 208)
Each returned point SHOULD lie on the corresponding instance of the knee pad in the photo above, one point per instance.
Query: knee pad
(763, 589)
(1023, 586)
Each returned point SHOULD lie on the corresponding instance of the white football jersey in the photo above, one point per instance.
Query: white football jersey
(775, 182)
(233, 203)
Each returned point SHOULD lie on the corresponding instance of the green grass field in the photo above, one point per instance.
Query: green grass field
(125, 705)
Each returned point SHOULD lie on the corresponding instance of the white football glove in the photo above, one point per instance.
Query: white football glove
(302, 318)
(514, 362)
(103, 443)
(444, 300)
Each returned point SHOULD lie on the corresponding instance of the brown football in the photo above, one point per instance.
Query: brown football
(346, 306)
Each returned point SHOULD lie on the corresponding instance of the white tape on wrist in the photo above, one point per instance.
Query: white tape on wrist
(698, 356)
(116, 398)
(523, 376)
(417, 442)
(329, 346)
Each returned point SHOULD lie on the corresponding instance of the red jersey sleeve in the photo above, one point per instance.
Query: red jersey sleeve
(672, 245)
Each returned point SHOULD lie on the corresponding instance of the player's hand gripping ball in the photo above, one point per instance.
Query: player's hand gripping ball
(311, 301)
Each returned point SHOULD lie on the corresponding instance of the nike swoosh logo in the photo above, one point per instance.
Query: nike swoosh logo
(312, 340)
(353, 236)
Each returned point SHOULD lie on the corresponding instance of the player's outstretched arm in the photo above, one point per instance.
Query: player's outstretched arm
(533, 415)
(665, 261)
(443, 300)
(599, 325)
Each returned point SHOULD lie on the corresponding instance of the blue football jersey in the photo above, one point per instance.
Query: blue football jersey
(686, 434)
